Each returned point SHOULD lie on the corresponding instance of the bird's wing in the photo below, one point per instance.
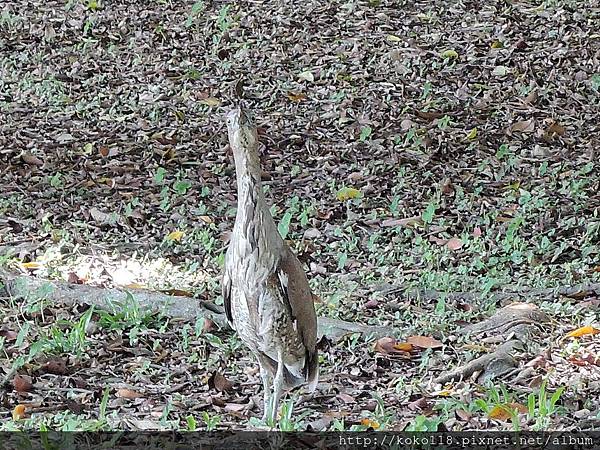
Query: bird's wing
(226, 291)
(299, 301)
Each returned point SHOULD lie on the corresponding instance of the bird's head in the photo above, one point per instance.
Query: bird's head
(242, 131)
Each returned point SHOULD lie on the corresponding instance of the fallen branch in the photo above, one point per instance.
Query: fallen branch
(508, 293)
(19, 286)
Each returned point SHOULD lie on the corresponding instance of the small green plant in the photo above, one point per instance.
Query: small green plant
(191, 423)
(181, 186)
(211, 422)
(159, 175)
(365, 133)
(69, 337)
(540, 408)
(424, 423)
(197, 8)
(128, 315)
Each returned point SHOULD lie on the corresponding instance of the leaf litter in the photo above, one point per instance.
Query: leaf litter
(114, 159)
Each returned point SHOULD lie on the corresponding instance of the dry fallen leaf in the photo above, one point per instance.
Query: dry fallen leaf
(296, 96)
(369, 423)
(19, 412)
(454, 244)
(346, 398)
(587, 360)
(505, 411)
(387, 346)
(128, 393)
(410, 222)
(31, 159)
(8, 335)
(210, 101)
(175, 236)
(424, 342)
(235, 407)
(219, 382)
(523, 126)
(583, 331)
(31, 265)
(55, 366)
(22, 383)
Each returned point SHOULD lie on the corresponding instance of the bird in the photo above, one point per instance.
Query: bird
(266, 294)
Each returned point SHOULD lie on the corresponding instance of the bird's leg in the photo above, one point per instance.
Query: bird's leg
(268, 393)
(278, 383)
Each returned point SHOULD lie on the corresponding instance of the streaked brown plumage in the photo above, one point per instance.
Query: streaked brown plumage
(266, 294)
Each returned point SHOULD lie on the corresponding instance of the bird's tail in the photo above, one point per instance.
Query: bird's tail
(313, 370)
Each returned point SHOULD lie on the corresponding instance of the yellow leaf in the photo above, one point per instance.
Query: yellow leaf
(31, 265)
(175, 236)
(296, 97)
(497, 44)
(393, 38)
(19, 412)
(346, 193)
(370, 423)
(472, 134)
(404, 346)
(506, 410)
(211, 101)
(583, 331)
(444, 393)
(450, 54)
(134, 286)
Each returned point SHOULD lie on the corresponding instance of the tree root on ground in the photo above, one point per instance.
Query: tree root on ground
(515, 326)
(19, 286)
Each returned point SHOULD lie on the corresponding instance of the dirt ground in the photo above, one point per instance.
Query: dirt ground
(430, 163)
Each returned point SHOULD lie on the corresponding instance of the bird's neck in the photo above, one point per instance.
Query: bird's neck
(253, 221)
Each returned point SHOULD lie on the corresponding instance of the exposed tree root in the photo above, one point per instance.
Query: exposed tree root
(19, 286)
(515, 326)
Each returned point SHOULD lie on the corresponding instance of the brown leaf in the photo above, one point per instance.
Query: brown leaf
(31, 160)
(463, 415)
(409, 222)
(372, 304)
(128, 393)
(421, 404)
(386, 346)
(370, 423)
(235, 407)
(296, 96)
(8, 335)
(404, 346)
(523, 126)
(208, 326)
(531, 97)
(556, 128)
(55, 366)
(73, 278)
(219, 382)
(429, 115)
(424, 342)
(346, 398)
(454, 244)
(177, 292)
(587, 360)
(22, 383)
